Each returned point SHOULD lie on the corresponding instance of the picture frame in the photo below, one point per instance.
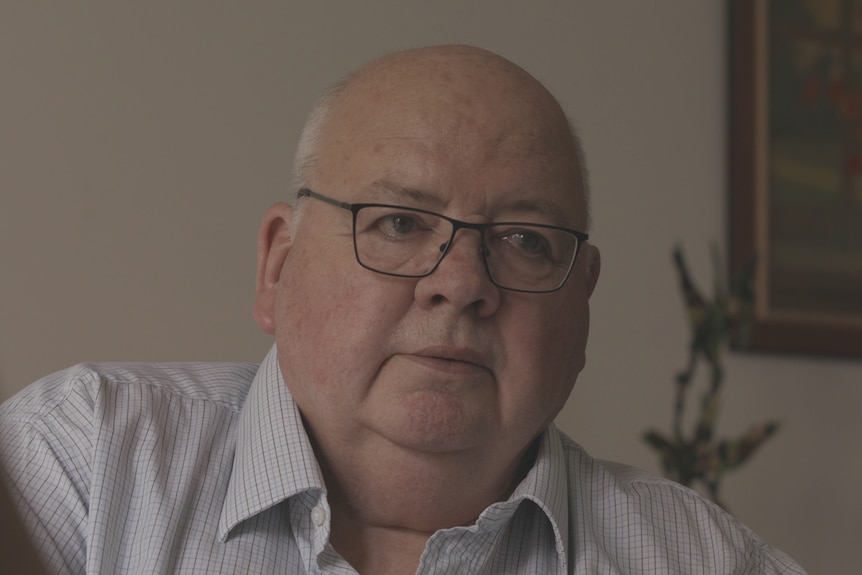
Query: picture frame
(795, 153)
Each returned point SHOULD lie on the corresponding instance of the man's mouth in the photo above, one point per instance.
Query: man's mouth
(451, 359)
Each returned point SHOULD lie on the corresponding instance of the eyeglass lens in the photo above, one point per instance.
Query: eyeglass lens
(405, 242)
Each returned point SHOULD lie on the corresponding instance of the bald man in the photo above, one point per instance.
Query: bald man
(427, 286)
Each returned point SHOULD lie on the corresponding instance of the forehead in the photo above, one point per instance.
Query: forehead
(457, 128)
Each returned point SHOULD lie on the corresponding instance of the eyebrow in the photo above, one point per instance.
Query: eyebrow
(546, 208)
(385, 191)
(543, 211)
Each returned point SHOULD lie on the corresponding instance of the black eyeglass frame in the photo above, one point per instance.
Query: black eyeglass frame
(354, 208)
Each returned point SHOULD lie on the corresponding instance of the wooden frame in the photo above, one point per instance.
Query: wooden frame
(829, 321)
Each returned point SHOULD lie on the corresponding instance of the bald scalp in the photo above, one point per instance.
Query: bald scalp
(446, 78)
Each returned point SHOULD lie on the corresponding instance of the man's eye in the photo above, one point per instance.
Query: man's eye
(527, 243)
(398, 225)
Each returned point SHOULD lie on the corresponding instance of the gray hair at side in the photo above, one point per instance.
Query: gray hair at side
(309, 141)
(309, 144)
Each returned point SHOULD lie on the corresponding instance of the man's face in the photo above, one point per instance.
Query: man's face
(448, 362)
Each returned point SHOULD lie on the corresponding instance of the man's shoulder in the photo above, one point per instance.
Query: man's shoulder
(611, 474)
(624, 505)
(608, 491)
(99, 453)
(223, 384)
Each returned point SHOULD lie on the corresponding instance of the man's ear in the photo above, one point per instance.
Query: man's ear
(594, 266)
(273, 244)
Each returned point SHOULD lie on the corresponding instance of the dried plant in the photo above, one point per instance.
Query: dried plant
(727, 317)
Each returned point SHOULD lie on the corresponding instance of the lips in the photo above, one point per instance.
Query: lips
(451, 358)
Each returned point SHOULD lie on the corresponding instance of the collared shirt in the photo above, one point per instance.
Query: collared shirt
(207, 468)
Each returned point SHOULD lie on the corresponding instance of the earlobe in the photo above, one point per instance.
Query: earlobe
(274, 240)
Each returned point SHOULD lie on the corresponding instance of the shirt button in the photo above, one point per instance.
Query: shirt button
(318, 515)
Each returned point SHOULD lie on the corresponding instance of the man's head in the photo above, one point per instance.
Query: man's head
(448, 363)
(310, 139)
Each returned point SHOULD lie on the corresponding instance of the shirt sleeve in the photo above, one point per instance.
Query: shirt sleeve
(45, 455)
(776, 562)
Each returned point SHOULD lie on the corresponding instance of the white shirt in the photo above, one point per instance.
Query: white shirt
(207, 468)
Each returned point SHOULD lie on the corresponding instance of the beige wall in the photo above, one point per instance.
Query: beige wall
(140, 143)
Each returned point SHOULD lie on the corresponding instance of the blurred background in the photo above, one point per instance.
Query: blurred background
(140, 143)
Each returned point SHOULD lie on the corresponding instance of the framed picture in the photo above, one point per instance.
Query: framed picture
(796, 170)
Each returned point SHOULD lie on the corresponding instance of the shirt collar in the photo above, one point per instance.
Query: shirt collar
(546, 485)
(274, 459)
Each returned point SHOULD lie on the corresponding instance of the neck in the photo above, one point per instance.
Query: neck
(385, 507)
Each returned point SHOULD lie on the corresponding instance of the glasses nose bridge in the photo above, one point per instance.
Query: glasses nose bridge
(446, 248)
(459, 225)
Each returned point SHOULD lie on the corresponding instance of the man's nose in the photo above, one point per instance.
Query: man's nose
(461, 277)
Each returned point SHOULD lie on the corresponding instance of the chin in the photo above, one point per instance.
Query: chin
(437, 426)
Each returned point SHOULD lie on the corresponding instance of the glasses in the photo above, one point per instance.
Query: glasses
(411, 243)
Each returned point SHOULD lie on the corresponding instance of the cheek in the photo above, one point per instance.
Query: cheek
(333, 322)
(545, 360)
(557, 341)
